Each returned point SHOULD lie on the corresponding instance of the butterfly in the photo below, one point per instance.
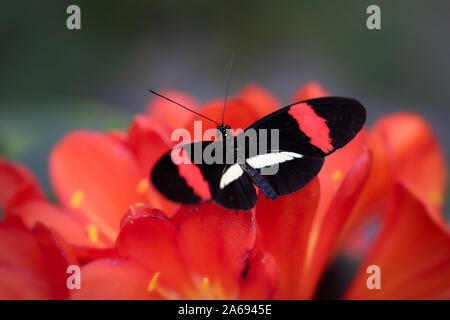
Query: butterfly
(306, 132)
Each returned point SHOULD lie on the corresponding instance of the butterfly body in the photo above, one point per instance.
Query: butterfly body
(279, 154)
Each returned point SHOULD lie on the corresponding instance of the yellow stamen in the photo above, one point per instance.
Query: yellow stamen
(77, 199)
(92, 233)
(153, 286)
(337, 175)
(167, 295)
(436, 197)
(220, 294)
(153, 283)
(142, 186)
(139, 204)
(205, 284)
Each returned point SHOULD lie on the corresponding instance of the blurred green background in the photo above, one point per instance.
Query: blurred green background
(53, 80)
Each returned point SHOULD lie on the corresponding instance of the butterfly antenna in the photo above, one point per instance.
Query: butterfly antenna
(179, 104)
(228, 86)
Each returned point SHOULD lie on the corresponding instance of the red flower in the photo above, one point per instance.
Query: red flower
(203, 255)
(96, 178)
(395, 171)
(33, 263)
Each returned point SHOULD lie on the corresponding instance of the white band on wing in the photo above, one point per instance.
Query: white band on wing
(233, 173)
(269, 159)
(260, 161)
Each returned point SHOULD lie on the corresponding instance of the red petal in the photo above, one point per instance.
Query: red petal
(149, 141)
(17, 182)
(328, 225)
(215, 243)
(140, 211)
(69, 224)
(32, 265)
(310, 90)
(58, 255)
(336, 167)
(114, 279)
(412, 251)
(403, 148)
(261, 279)
(182, 211)
(239, 114)
(18, 248)
(334, 172)
(97, 176)
(17, 284)
(167, 113)
(152, 241)
(285, 225)
(262, 101)
(88, 254)
(414, 149)
(375, 191)
(118, 136)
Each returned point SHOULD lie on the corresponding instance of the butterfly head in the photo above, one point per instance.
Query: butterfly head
(224, 132)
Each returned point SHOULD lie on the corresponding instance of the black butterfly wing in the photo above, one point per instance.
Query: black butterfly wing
(240, 194)
(184, 182)
(192, 180)
(315, 127)
(292, 175)
(306, 132)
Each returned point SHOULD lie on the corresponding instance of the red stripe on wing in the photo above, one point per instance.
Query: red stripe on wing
(193, 176)
(312, 125)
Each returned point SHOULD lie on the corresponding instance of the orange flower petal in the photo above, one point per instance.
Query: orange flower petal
(414, 150)
(14, 180)
(152, 241)
(262, 101)
(310, 90)
(18, 248)
(328, 225)
(261, 278)
(239, 114)
(412, 251)
(58, 255)
(97, 176)
(87, 254)
(111, 279)
(403, 148)
(215, 243)
(140, 211)
(149, 141)
(334, 172)
(70, 224)
(336, 167)
(33, 264)
(182, 211)
(117, 135)
(285, 224)
(17, 284)
(202, 257)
